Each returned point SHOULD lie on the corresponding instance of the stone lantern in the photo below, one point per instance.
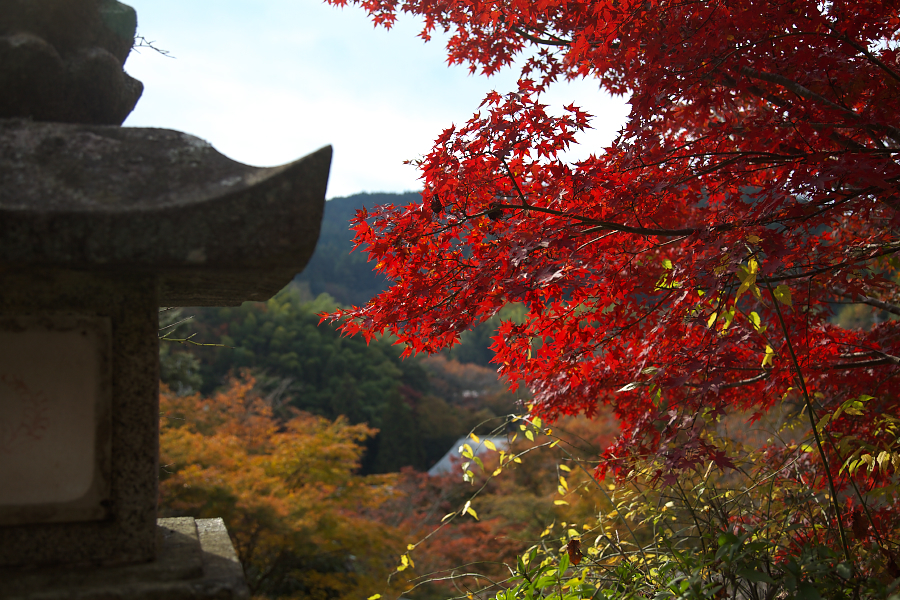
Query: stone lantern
(99, 226)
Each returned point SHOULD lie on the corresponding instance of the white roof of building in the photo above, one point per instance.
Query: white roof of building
(451, 460)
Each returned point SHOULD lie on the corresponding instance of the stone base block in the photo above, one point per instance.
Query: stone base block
(195, 561)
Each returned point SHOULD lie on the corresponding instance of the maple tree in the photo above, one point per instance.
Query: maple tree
(692, 268)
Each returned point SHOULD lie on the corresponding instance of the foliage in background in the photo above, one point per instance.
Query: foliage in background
(758, 532)
(299, 515)
(419, 407)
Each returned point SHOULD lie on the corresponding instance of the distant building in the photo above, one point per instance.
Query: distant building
(451, 460)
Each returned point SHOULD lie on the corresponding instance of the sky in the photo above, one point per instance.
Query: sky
(269, 81)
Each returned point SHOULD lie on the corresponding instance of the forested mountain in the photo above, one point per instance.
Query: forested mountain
(334, 270)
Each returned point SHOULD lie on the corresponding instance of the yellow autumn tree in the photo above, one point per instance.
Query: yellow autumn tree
(302, 521)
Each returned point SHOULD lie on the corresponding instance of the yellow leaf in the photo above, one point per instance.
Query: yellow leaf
(869, 460)
(410, 546)
(447, 516)
(497, 471)
(755, 320)
(712, 320)
(537, 422)
(561, 490)
(474, 438)
(560, 502)
(529, 435)
(472, 512)
(770, 354)
(562, 482)
(375, 597)
(490, 445)
(565, 468)
(516, 459)
(555, 442)
(783, 294)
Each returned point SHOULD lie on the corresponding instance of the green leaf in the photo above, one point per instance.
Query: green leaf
(844, 570)
(563, 562)
(727, 539)
(754, 575)
(807, 591)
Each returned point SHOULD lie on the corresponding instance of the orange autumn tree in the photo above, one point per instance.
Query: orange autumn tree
(300, 518)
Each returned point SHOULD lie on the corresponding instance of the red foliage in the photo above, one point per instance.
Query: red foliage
(759, 161)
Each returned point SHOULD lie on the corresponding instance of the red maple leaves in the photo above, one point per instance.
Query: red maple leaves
(758, 170)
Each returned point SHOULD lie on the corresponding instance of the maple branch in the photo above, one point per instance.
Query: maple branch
(821, 270)
(537, 40)
(865, 52)
(804, 92)
(598, 225)
(515, 182)
(733, 384)
(891, 308)
(863, 364)
(813, 423)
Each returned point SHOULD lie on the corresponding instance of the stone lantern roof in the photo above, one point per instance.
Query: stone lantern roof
(98, 198)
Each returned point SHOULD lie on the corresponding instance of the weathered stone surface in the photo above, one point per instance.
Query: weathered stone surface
(154, 201)
(196, 560)
(61, 60)
(127, 530)
(55, 403)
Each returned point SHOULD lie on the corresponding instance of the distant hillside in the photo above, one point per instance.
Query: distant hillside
(333, 270)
